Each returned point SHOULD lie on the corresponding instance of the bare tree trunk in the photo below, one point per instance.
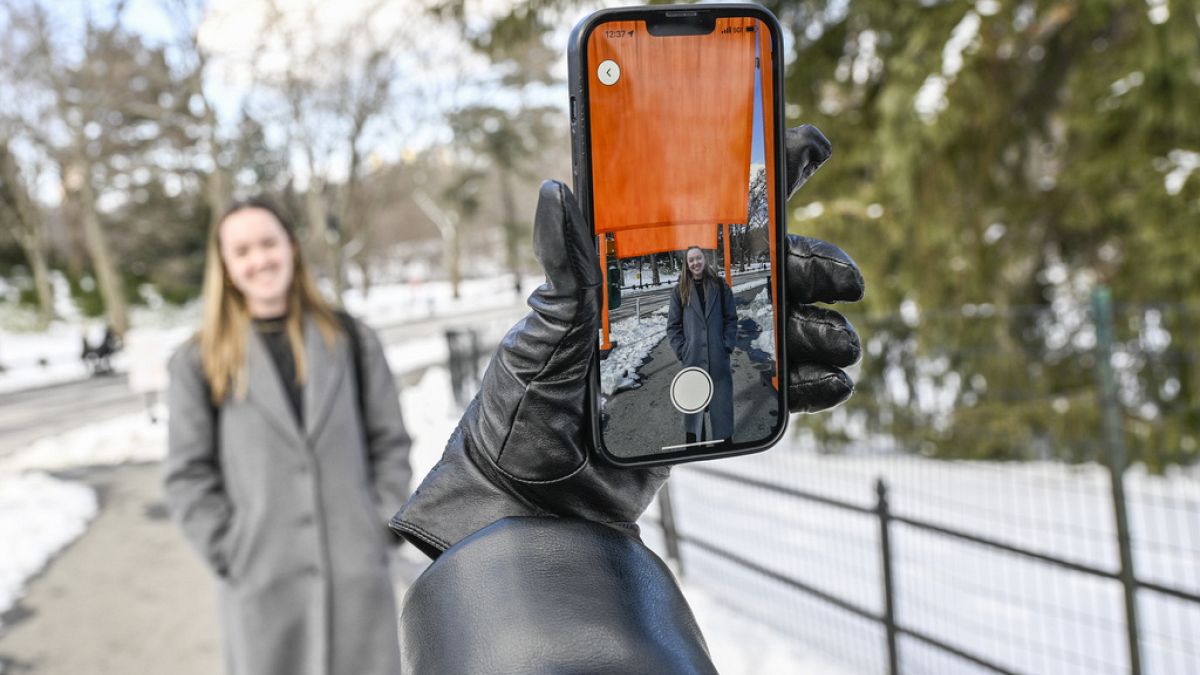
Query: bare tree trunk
(316, 213)
(364, 270)
(32, 242)
(447, 225)
(216, 193)
(349, 217)
(28, 229)
(41, 279)
(217, 189)
(108, 279)
(454, 253)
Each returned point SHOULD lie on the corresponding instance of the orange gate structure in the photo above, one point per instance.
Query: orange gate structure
(670, 151)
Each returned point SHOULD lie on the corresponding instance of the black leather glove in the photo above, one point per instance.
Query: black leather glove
(522, 447)
(820, 342)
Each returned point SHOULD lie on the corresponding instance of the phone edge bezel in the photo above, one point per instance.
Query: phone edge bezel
(581, 177)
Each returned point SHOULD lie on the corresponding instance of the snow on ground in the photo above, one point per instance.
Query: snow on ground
(42, 514)
(740, 645)
(632, 276)
(430, 415)
(634, 338)
(1025, 615)
(417, 354)
(46, 357)
(630, 290)
(392, 303)
(34, 358)
(747, 285)
(37, 358)
(764, 315)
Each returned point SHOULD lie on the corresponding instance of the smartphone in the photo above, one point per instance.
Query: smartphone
(677, 148)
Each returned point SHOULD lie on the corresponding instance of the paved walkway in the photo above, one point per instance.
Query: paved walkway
(127, 597)
(753, 395)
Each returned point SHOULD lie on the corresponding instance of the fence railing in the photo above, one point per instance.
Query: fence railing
(675, 538)
(1045, 517)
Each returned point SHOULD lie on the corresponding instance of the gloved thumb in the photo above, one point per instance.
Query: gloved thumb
(535, 390)
(563, 245)
(806, 150)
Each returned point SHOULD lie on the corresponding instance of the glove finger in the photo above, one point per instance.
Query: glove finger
(562, 243)
(819, 335)
(806, 149)
(817, 271)
(813, 387)
(535, 388)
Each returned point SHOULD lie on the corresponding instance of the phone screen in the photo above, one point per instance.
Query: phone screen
(683, 204)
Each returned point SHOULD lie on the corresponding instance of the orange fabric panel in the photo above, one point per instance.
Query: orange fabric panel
(670, 140)
(632, 243)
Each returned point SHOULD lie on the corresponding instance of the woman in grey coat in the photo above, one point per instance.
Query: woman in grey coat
(702, 330)
(282, 468)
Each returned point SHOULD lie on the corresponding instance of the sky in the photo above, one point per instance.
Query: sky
(756, 149)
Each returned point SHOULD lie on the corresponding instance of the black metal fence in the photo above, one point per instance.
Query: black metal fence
(1065, 540)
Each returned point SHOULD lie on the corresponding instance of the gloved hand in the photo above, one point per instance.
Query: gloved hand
(522, 447)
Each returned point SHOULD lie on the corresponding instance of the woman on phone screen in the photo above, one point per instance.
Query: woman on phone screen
(286, 457)
(702, 330)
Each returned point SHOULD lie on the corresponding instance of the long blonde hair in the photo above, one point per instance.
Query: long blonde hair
(684, 285)
(225, 320)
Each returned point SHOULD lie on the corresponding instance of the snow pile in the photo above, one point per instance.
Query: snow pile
(430, 415)
(129, 438)
(763, 314)
(740, 645)
(747, 285)
(394, 303)
(630, 278)
(35, 359)
(634, 339)
(41, 516)
(416, 354)
(31, 359)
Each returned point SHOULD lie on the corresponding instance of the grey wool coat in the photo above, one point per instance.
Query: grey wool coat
(704, 337)
(292, 520)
